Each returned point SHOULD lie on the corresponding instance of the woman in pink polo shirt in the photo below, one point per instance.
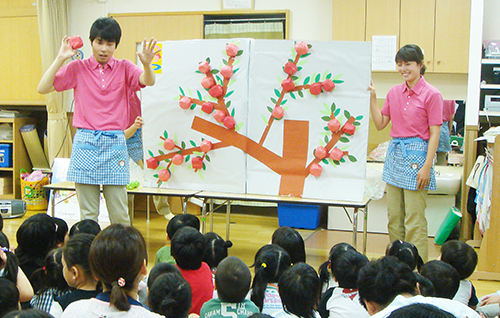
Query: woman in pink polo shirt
(415, 110)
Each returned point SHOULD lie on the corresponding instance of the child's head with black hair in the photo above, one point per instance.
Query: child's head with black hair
(61, 232)
(405, 252)
(51, 275)
(75, 260)
(170, 296)
(299, 289)
(424, 286)
(259, 315)
(106, 29)
(35, 238)
(381, 280)
(335, 252)
(232, 280)
(419, 310)
(181, 220)
(187, 248)
(118, 258)
(345, 269)
(461, 256)
(28, 313)
(215, 250)
(270, 263)
(159, 269)
(292, 242)
(9, 296)
(443, 276)
(85, 226)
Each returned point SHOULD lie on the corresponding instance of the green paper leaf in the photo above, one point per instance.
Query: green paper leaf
(294, 78)
(352, 158)
(155, 175)
(239, 52)
(183, 145)
(229, 94)
(187, 158)
(208, 60)
(326, 139)
(264, 119)
(161, 152)
(151, 153)
(192, 143)
(273, 101)
(224, 61)
(283, 102)
(293, 95)
(306, 80)
(214, 71)
(207, 157)
(238, 126)
(182, 91)
(228, 104)
(193, 106)
(337, 112)
(301, 94)
(324, 161)
(232, 112)
(317, 78)
(269, 109)
(277, 92)
(329, 75)
(344, 139)
(326, 118)
(356, 123)
(338, 81)
(347, 114)
(199, 95)
(333, 107)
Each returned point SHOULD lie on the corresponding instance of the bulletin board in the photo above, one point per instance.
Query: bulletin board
(292, 117)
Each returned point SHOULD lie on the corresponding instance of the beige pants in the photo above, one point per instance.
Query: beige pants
(116, 202)
(406, 214)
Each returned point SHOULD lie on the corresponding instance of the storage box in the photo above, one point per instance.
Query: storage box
(5, 155)
(300, 216)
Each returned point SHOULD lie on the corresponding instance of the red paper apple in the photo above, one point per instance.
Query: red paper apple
(336, 154)
(152, 163)
(185, 102)
(226, 71)
(75, 42)
(301, 48)
(315, 170)
(197, 163)
(206, 145)
(169, 144)
(164, 175)
(219, 116)
(204, 67)
(231, 50)
(315, 89)
(333, 125)
(216, 91)
(278, 112)
(207, 82)
(288, 84)
(229, 122)
(177, 159)
(328, 85)
(207, 107)
(320, 152)
(349, 128)
(290, 68)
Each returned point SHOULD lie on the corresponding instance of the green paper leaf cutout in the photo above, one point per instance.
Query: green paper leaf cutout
(269, 109)
(352, 158)
(347, 114)
(293, 95)
(273, 101)
(151, 153)
(344, 139)
(182, 91)
(229, 94)
(183, 145)
(306, 80)
(264, 119)
(199, 95)
(232, 112)
(337, 112)
(277, 92)
(317, 78)
(192, 143)
(326, 118)
(301, 94)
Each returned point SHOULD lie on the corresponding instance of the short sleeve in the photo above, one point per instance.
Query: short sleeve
(66, 77)
(435, 109)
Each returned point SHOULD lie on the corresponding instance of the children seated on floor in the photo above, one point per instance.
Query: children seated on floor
(170, 295)
(405, 252)
(299, 289)
(87, 226)
(215, 250)
(270, 263)
(343, 301)
(292, 242)
(443, 276)
(188, 246)
(232, 281)
(463, 258)
(77, 273)
(324, 271)
(9, 297)
(62, 234)
(177, 222)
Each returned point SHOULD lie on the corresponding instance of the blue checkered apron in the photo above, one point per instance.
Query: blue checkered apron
(99, 157)
(134, 146)
(444, 138)
(405, 157)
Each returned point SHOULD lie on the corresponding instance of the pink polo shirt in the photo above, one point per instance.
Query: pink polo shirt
(448, 109)
(413, 111)
(101, 93)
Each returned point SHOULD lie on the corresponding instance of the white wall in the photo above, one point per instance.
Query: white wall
(309, 20)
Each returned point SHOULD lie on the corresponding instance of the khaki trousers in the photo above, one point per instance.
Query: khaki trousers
(406, 214)
(116, 202)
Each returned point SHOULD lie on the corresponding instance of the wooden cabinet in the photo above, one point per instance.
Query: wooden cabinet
(20, 159)
(439, 27)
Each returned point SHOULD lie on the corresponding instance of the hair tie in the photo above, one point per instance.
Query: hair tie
(264, 265)
(44, 269)
(121, 282)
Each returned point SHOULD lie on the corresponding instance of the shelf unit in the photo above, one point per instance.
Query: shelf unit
(20, 159)
(489, 85)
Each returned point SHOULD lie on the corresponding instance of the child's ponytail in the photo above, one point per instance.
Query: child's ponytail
(117, 256)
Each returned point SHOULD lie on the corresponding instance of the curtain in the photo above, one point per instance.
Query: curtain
(262, 30)
(53, 25)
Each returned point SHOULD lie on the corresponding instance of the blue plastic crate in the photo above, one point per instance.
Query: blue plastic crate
(5, 155)
(302, 216)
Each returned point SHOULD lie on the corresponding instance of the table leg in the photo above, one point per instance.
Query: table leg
(211, 215)
(355, 228)
(228, 218)
(147, 208)
(203, 216)
(365, 229)
(53, 205)
(184, 201)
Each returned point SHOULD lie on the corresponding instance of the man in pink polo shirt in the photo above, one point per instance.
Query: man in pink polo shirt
(101, 85)
(415, 109)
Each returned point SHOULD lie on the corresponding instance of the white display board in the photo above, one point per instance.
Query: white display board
(262, 154)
